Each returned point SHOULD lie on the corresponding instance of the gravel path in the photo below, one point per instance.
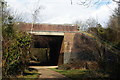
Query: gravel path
(47, 74)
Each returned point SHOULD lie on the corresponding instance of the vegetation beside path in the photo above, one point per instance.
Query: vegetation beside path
(30, 73)
(83, 74)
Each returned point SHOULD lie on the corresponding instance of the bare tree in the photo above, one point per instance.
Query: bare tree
(84, 25)
(89, 2)
(35, 14)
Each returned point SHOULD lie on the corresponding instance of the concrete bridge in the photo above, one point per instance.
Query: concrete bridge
(63, 41)
(48, 29)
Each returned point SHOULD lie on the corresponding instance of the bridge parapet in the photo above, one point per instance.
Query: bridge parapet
(47, 27)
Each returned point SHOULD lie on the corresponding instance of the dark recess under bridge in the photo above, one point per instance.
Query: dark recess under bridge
(59, 40)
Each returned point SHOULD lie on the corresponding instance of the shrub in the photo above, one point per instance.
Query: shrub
(16, 50)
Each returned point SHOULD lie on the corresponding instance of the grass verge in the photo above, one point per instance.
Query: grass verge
(83, 74)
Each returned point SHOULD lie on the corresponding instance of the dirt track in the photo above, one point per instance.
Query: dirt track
(46, 73)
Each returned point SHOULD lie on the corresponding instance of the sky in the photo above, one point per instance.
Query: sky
(61, 11)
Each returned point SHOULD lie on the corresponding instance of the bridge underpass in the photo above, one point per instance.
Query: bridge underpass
(48, 48)
(48, 38)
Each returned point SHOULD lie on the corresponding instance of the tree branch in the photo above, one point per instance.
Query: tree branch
(116, 1)
(71, 2)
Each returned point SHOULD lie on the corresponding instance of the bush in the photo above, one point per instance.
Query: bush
(16, 50)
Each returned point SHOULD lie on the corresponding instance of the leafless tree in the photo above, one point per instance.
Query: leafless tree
(84, 25)
(35, 13)
(89, 2)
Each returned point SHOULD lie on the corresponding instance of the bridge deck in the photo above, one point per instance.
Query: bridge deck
(55, 33)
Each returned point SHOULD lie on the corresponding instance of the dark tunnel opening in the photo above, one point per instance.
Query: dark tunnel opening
(50, 47)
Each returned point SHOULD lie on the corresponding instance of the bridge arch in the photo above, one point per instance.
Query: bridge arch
(53, 45)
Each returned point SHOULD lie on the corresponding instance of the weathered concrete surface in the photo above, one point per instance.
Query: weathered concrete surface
(46, 27)
(83, 47)
(68, 43)
(80, 50)
(47, 33)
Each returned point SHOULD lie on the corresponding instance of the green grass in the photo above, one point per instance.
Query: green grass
(82, 74)
(73, 73)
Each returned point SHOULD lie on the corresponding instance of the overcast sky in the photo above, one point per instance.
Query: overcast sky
(61, 11)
